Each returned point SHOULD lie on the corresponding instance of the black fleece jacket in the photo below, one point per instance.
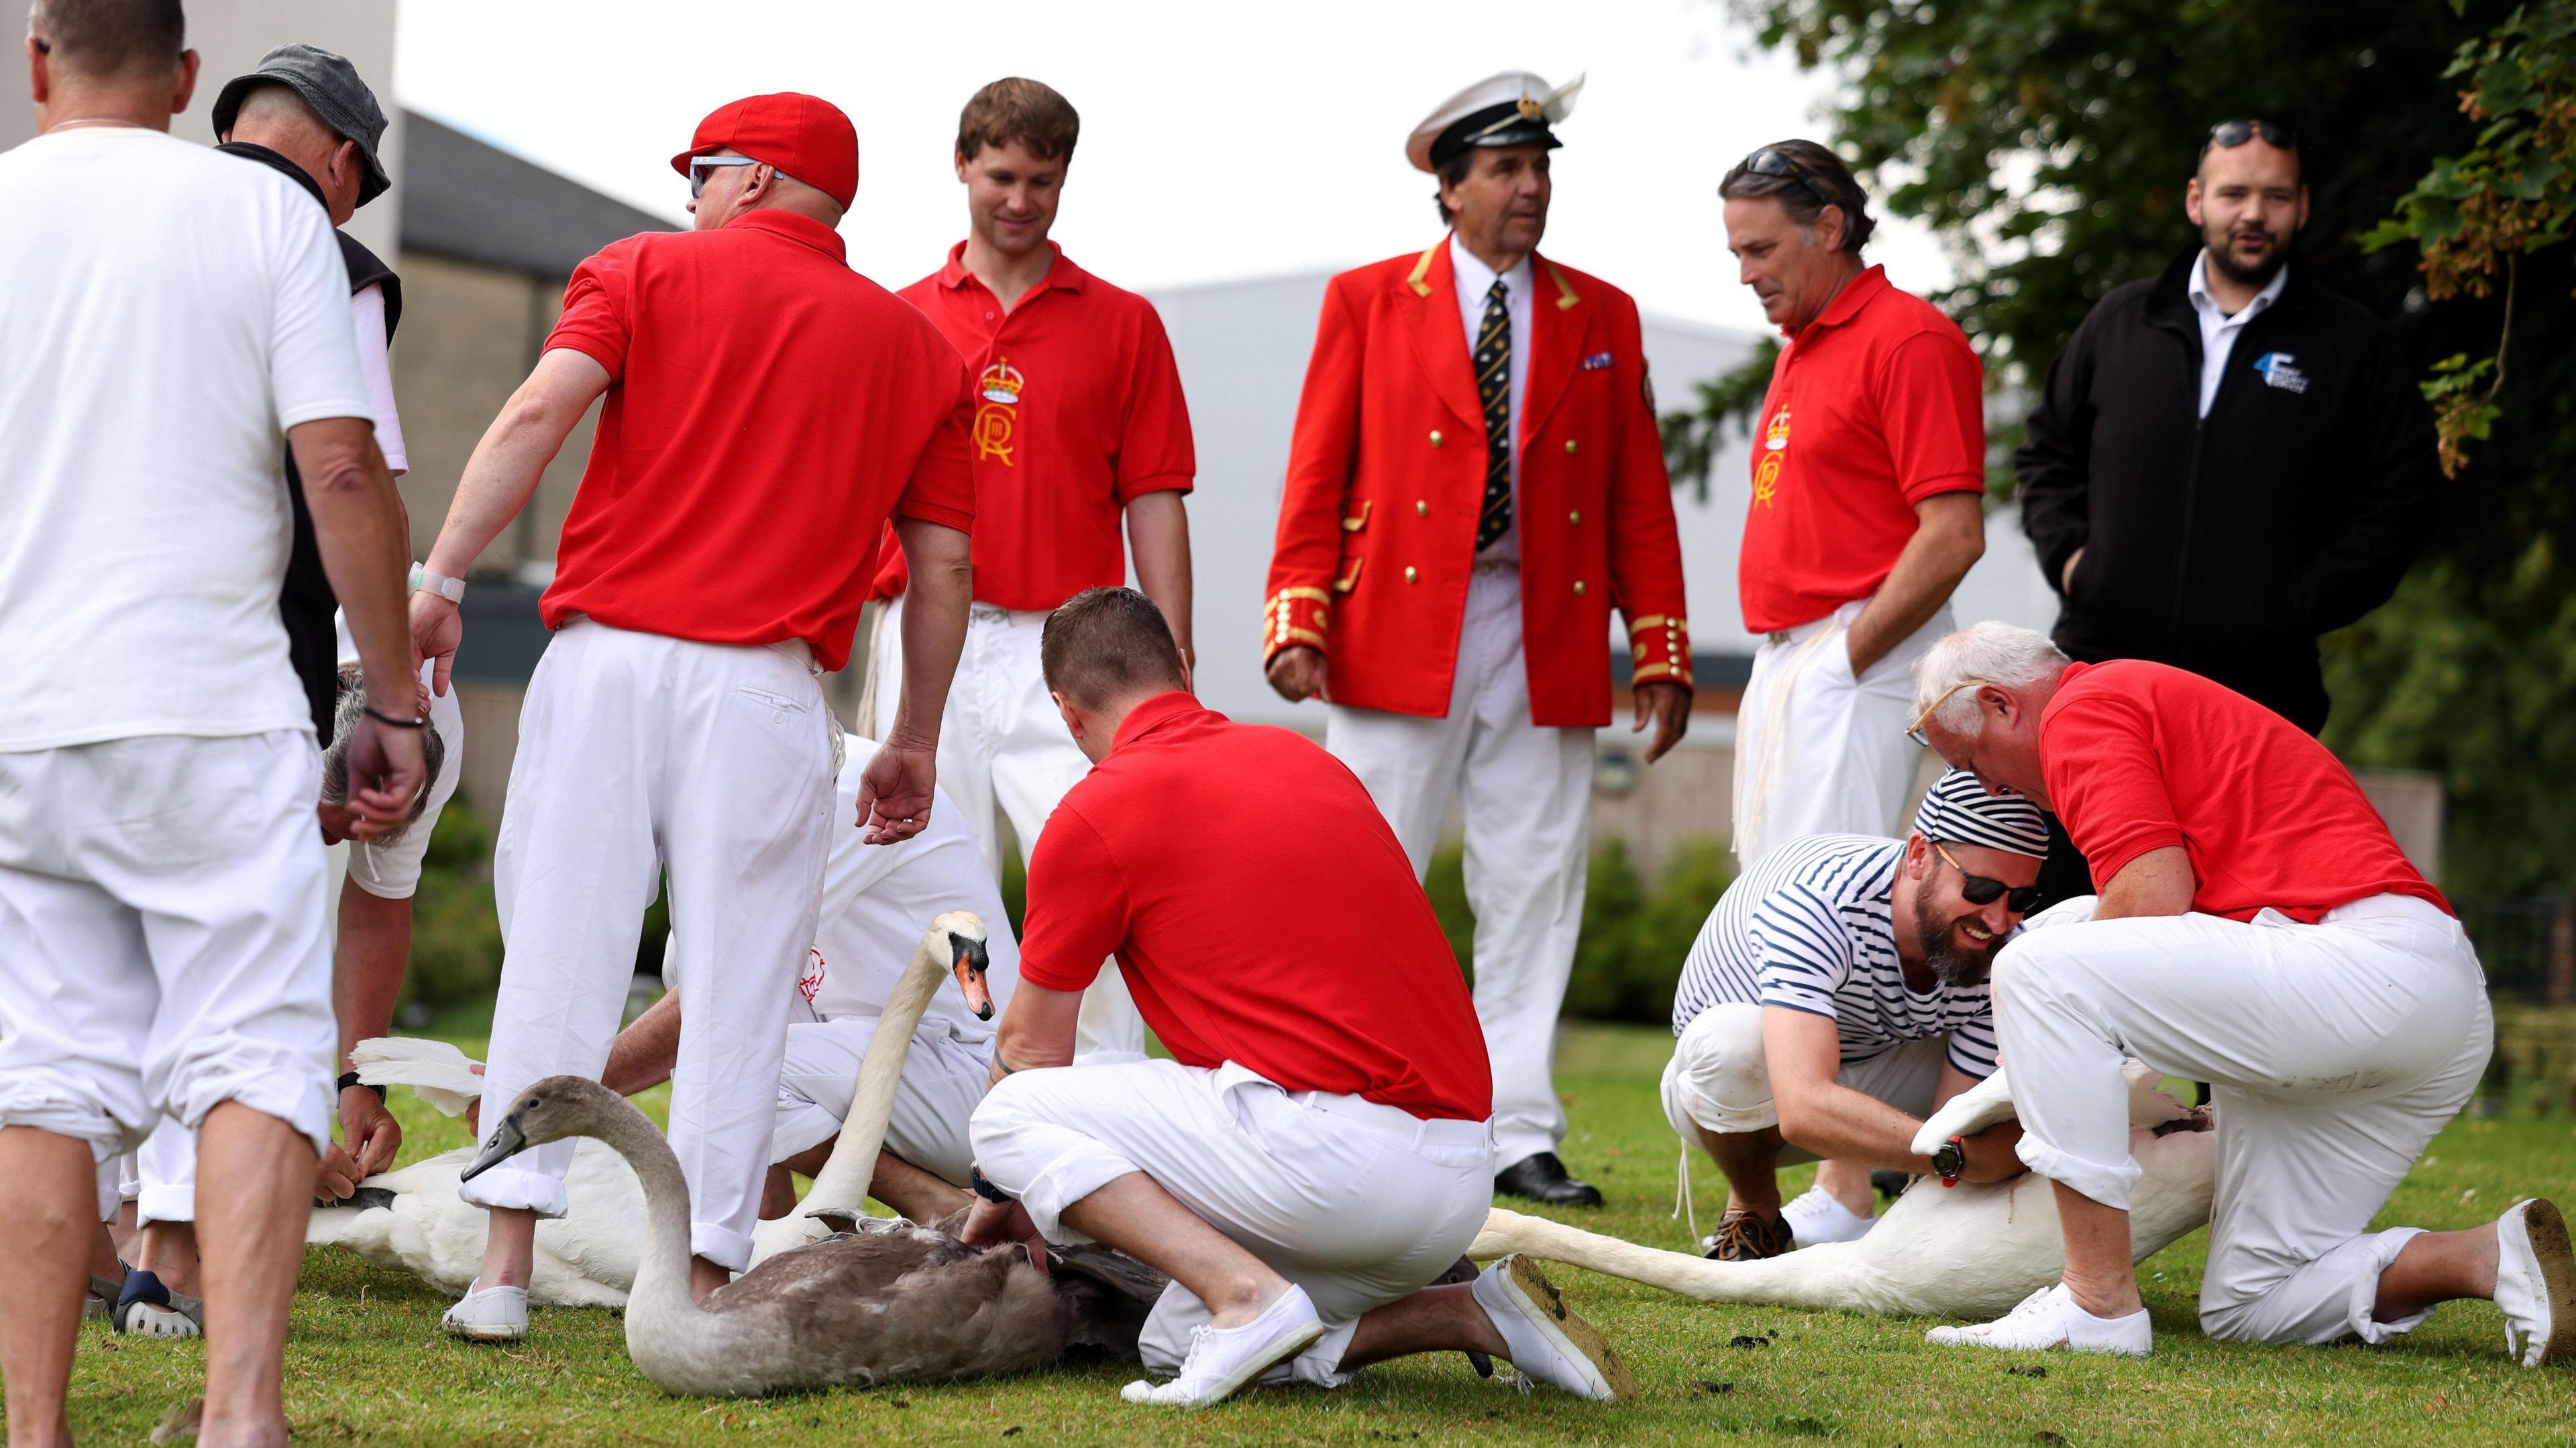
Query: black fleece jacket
(2226, 544)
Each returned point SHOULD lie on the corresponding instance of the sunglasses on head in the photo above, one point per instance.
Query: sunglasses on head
(1983, 890)
(2228, 135)
(1780, 165)
(700, 167)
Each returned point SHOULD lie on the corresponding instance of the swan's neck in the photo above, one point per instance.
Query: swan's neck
(843, 1181)
(661, 1297)
(1817, 1277)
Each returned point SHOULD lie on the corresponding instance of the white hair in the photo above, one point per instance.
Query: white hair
(1983, 653)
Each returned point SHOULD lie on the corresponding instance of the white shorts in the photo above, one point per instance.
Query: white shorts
(943, 1082)
(1719, 1080)
(161, 939)
(1360, 1204)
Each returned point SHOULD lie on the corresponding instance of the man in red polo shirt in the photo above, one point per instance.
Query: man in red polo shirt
(1865, 514)
(2258, 929)
(768, 410)
(1079, 422)
(1317, 1149)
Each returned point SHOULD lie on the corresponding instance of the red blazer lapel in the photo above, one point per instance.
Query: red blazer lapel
(1558, 316)
(1430, 293)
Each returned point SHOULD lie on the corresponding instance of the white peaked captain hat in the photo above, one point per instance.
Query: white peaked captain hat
(1511, 109)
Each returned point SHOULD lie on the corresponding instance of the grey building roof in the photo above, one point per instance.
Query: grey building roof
(471, 201)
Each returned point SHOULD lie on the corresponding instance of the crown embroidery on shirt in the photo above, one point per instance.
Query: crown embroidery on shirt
(996, 417)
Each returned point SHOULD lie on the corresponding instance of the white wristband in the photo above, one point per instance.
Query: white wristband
(424, 581)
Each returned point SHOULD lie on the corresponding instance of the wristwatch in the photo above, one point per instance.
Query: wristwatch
(984, 1188)
(1951, 1160)
(424, 581)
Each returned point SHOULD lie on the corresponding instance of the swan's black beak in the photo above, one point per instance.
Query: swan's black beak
(972, 961)
(506, 1141)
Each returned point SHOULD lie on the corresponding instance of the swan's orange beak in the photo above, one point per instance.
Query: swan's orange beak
(972, 961)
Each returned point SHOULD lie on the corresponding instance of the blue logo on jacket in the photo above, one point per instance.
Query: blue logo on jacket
(2276, 371)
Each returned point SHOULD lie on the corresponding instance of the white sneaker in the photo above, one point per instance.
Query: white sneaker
(1223, 1359)
(1815, 1216)
(1543, 1339)
(2536, 1283)
(2049, 1318)
(489, 1314)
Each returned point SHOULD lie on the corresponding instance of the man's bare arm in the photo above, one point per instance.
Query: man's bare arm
(2158, 882)
(358, 529)
(1036, 1030)
(1949, 538)
(642, 1055)
(1158, 538)
(1817, 1112)
(896, 786)
(498, 480)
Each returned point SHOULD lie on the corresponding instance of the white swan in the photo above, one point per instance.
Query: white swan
(413, 1220)
(1965, 1251)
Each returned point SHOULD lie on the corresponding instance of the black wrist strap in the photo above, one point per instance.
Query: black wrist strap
(382, 717)
(985, 1189)
(350, 1078)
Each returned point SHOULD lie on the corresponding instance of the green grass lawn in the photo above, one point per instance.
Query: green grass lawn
(366, 1363)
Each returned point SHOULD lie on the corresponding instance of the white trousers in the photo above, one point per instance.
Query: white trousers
(2334, 1052)
(1003, 742)
(640, 754)
(161, 938)
(1360, 1204)
(942, 1083)
(1818, 751)
(1719, 1078)
(1526, 794)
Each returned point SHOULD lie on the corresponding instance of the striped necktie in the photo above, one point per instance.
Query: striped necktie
(1494, 386)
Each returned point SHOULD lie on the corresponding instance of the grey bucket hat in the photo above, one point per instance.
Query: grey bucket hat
(330, 85)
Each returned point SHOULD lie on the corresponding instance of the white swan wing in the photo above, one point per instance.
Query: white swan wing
(443, 1075)
(1966, 1114)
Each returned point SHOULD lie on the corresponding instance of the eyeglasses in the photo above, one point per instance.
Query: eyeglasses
(1983, 889)
(1914, 731)
(1780, 165)
(701, 166)
(2228, 135)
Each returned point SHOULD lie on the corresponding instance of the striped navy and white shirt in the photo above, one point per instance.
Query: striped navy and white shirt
(1812, 927)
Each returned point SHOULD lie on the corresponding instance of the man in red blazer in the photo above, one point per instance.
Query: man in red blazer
(1475, 481)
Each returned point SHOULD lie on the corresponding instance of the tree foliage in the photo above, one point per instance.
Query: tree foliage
(2047, 143)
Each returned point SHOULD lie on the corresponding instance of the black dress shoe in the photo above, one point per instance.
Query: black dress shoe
(1542, 1178)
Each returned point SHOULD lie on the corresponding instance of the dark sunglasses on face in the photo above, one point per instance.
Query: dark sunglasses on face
(2228, 135)
(1982, 890)
(1780, 165)
(700, 167)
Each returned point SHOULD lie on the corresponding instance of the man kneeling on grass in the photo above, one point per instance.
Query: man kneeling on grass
(2257, 929)
(1318, 1150)
(1837, 996)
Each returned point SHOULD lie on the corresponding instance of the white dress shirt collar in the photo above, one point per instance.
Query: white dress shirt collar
(2217, 329)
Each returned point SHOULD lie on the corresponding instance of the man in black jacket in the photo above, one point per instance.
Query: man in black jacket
(2229, 460)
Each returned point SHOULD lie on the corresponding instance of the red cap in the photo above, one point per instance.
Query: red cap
(804, 136)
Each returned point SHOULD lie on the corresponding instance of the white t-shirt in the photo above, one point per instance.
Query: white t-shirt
(367, 311)
(878, 899)
(167, 313)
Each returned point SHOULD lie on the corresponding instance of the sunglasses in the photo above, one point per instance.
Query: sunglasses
(1780, 165)
(1914, 731)
(700, 167)
(2228, 135)
(1983, 890)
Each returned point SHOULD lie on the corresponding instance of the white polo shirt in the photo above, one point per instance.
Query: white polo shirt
(168, 313)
